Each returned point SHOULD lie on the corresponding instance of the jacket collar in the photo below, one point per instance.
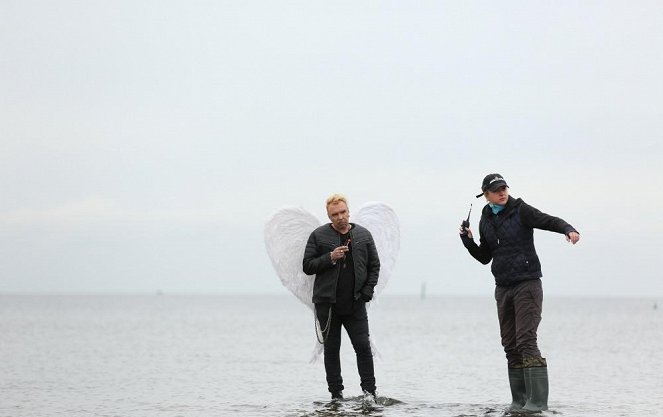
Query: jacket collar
(511, 204)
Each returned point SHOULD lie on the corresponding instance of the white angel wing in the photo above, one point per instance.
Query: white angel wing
(381, 220)
(286, 233)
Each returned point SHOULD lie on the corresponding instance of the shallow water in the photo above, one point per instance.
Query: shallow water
(175, 355)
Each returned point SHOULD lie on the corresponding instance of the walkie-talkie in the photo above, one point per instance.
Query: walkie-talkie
(466, 223)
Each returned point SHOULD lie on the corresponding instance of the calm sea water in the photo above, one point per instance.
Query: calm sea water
(175, 355)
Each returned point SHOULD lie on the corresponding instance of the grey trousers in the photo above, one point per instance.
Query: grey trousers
(519, 312)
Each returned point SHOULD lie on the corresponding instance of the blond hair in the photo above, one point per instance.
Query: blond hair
(336, 198)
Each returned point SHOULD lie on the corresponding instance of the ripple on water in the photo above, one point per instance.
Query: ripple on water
(386, 406)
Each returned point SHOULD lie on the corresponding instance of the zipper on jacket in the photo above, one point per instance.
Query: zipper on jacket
(338, 270)
(338, 264)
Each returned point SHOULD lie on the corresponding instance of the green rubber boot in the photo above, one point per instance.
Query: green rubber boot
(518, 390)
(536, 386)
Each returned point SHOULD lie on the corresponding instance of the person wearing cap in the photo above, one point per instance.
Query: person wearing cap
(506, 232)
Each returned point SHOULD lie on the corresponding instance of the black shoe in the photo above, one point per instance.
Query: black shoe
(337, 395)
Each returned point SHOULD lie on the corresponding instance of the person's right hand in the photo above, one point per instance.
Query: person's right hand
(465, 231)
(338, 253)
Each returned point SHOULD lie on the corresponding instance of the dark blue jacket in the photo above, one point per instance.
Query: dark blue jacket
(507, 238)
(317, 261)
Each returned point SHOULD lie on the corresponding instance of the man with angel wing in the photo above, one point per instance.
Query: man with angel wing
(344, 259)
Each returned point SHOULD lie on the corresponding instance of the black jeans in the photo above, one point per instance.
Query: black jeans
(356, 324)
(519, 311)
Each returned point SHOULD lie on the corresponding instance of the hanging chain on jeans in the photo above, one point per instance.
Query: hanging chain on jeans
(318, 330)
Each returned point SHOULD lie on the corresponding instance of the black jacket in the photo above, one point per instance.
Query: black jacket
(317, 261)
(507, 238)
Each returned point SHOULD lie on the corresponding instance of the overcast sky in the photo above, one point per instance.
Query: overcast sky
(143, 144)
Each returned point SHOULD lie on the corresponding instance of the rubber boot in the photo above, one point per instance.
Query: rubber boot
(536, 385)
(518, 390)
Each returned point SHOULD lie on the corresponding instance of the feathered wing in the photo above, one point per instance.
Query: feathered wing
(381, 220)
(286, 233)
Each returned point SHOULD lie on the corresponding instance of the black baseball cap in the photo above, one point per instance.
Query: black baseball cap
(492, 182)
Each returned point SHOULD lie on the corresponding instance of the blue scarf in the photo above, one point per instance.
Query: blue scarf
(496, 208)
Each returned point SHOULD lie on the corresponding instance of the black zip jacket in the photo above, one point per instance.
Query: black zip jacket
(507, 238)
(317, 261)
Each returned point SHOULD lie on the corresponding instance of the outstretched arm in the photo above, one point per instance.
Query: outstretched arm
(534, 218)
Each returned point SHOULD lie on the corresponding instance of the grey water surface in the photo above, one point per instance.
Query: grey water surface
(223, 355)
